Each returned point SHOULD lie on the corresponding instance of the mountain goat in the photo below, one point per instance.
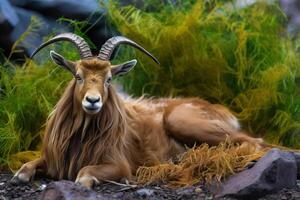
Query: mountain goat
(94, 134)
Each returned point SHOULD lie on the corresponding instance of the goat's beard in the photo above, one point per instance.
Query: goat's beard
(69, 120)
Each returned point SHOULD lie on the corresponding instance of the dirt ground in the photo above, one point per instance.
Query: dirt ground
(112, 191)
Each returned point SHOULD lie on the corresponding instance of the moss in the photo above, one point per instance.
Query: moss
(239, 57)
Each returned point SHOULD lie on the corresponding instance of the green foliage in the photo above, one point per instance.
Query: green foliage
(239, 57)
(28, 94)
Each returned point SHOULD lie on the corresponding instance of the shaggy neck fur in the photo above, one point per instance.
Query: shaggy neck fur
(74, 139)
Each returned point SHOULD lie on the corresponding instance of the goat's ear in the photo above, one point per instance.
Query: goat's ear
(118, 70)
(64, 63)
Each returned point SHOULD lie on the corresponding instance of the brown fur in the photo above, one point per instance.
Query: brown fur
(126, 133)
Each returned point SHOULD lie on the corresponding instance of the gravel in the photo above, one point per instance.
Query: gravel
(112, 191)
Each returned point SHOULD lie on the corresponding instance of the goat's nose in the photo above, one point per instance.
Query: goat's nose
(92, 99)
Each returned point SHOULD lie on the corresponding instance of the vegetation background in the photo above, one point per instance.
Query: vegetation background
(240, 57)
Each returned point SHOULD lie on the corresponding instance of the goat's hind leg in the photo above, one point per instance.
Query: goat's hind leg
(27, 171)
(191, 124)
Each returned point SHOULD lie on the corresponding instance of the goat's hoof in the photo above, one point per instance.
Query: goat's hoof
(86, 181)
(20, 178)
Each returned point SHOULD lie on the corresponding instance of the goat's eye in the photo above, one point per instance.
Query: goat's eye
(78, 78)
(108, 80)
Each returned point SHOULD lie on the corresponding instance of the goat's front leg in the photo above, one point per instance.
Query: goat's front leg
(28, 170)
(94, 174)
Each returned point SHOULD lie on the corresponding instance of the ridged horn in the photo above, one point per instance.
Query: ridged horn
(79, 42)
(109, 46)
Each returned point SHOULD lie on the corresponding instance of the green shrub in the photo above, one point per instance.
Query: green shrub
(28, 94)
(239, 57)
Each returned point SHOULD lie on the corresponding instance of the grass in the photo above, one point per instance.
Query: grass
(201, 164)
(239, 57)
(27, 96)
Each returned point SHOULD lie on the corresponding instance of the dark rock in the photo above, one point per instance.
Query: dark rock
(8, 17)
(292, 11)
(34, 39)
(298, 183)
(67, 190)
(57, 8)
(185, 193)
(8, 21)
(297, 158)
(15, 17)
(110, 191)
(274, 171)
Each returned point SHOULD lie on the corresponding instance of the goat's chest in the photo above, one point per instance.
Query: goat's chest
(80, 153)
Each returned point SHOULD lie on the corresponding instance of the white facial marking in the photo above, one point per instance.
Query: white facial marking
(91, 108)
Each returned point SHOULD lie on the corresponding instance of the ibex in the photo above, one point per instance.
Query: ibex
(94, 134)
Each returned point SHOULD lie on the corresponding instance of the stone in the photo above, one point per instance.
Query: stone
(73, 9)
(297, 158)
(292, 10)
(145, 192)
(89, 10)
(15, 17)
(33, 40)
(198, 190)
(276, 170)
(67, 190)
(8, 21)
(8, 17)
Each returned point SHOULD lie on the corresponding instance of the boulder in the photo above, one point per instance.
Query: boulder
(297, 158)
(276, 170)
(73, 9)
(8, 21)
(8, 17)
(34, 39)
(19, 23)
(292, 11)
(89, 10)
(67, 190)
(15, 18)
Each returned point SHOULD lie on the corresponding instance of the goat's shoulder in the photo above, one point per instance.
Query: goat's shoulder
(143, 104)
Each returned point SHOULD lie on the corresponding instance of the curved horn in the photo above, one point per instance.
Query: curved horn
(79, 42)
(109, 46)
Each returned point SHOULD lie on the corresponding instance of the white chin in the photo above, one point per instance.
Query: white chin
(91, 108)
(91, 111)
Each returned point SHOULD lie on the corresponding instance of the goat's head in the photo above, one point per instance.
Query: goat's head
(93, 74)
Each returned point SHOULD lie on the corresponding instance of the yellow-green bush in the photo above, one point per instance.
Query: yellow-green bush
(239, 57)
(28, 93)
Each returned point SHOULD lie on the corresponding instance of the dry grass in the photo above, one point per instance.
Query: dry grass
(202, 163)
(18, 159)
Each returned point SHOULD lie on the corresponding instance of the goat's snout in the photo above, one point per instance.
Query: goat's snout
(92, 104)
(92, 99)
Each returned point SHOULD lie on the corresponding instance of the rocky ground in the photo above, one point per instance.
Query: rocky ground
(113, 191)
